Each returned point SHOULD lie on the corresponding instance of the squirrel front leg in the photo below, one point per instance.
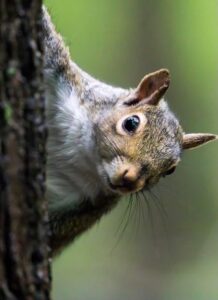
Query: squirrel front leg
(66, 225)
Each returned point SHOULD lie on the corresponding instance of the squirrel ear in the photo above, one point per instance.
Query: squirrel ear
(153, 86)
(193, 140)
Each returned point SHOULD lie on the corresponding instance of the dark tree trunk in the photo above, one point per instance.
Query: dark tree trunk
(24, 268)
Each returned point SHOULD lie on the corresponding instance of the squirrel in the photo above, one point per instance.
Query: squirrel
(104, 142)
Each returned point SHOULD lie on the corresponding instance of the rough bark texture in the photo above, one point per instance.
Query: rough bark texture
(24, 268)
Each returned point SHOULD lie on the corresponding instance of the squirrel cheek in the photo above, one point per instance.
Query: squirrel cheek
(140, 184)
(151, 181)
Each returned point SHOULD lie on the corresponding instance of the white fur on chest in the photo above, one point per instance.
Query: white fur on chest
(71, 167)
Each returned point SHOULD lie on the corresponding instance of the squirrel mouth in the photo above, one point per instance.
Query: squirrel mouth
(124, 188)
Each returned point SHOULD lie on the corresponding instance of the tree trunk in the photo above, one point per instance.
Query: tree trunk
(24, 268)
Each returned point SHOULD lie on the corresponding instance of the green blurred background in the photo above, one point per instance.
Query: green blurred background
(156, 258)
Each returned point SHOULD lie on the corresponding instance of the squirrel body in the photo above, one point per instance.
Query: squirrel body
(103, 142)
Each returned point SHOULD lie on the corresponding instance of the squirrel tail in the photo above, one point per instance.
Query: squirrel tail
(57, 56)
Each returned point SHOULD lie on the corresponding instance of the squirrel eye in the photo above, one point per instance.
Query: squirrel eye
(131, 123)
(169, 172)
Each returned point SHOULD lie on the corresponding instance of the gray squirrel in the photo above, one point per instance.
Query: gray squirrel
(104, 142)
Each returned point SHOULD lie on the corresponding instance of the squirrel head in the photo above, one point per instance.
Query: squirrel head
(140, 140)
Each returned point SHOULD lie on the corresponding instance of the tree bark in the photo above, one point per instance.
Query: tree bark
(24, 267)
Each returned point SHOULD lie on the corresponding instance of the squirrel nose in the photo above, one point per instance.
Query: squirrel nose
(129, 176)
